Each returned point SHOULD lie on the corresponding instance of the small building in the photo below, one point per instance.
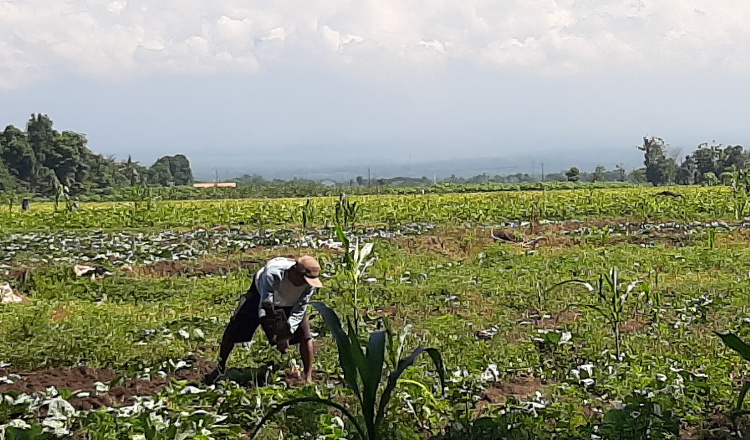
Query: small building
(215, 184)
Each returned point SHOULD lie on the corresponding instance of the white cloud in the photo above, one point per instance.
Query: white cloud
(131, 38)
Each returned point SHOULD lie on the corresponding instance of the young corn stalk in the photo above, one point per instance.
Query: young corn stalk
(611, 301)
(308, 214)
(363, 373)
(356, 262)
(345, 213)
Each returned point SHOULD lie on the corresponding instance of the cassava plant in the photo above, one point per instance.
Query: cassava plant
(363, 374)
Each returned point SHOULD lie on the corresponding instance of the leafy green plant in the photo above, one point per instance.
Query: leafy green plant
(363, 372)
(345, 213)
(711, 237)
(611, 299)
(735, 343)
(355, 262)
(641, 416)
(308, 214)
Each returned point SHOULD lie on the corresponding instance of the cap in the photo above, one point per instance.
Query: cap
(311, 270)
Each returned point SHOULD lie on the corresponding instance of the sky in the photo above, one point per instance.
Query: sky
(276, 87)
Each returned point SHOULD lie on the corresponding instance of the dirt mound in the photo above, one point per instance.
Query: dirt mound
(521, 388)
(85, 379)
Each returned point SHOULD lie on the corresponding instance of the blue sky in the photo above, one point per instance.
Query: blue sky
(268, 85)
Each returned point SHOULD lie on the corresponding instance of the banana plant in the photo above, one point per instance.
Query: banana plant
(363, 374)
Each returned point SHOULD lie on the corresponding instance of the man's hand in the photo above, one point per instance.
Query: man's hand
(283, 346)
(268, 308)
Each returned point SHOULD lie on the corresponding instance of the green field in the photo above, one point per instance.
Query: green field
(525, 356)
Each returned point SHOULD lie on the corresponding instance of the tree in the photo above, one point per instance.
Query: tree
(621, 173)
(688, 174)
(17, 153)
(573, 174)
(660, 169)
(171, 170)
(598, 174)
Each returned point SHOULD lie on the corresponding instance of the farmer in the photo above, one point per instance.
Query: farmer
(283, 285)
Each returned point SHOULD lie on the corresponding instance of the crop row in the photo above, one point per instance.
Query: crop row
(484, 208)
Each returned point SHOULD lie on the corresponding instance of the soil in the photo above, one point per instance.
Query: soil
(84, 379)
(720, 426)
(520, 388)
(634, 326)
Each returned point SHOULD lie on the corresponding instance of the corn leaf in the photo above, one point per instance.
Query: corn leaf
(344, 345)
(325, 402)
(735, 343)
(403, 364)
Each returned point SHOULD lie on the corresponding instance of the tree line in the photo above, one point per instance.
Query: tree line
(44, 161)
(707, 165)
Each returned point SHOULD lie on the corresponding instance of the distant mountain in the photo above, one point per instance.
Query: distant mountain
(343, 170)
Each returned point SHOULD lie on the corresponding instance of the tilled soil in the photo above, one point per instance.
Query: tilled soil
(84, 379)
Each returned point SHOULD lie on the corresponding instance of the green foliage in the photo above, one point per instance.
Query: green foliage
(41, 158)
(611, 301)
(345, 212)
(642, 417)
(363, 372)
(660, 169)
(573, 174)
(308, 214)
(171, 170)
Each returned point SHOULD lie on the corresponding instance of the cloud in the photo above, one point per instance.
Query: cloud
(115, 39)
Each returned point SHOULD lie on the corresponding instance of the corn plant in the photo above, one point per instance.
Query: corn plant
(363, 373)
(711, 238)
(308, 214)
(611, 300)
(9, 197)
(356, 262)
(345, 213)
(735, 343)
(140, 194)
(740, 181)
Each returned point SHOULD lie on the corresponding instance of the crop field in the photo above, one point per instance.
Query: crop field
(570, 314)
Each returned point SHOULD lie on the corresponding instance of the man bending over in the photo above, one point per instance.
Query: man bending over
(276, 300)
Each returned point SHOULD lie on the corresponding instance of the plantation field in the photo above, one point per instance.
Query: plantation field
(589, 314)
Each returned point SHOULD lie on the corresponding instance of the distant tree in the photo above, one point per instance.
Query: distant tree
(710, 179)
(687, 173)
(660, 169)
(639, 175)
(573, 174)
(17, 153)
(360, 181)
(171, 170)
(621, 173)
(7, 181)
(598, 174)
(131, 171)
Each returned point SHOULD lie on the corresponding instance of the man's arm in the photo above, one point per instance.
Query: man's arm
(267, 283)
(299, 309)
